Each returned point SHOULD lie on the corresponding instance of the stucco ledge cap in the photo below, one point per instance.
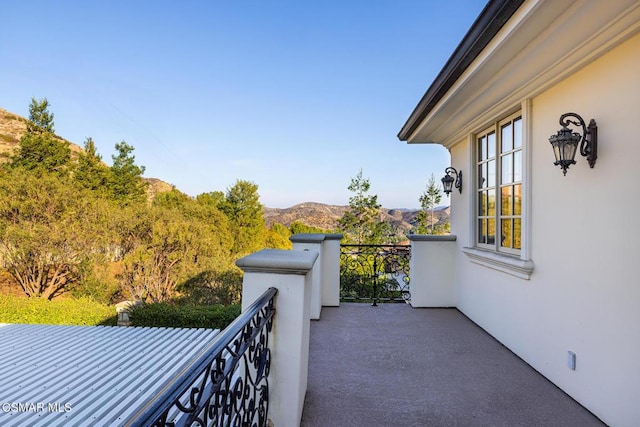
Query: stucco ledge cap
(431, 238)
(278, 261)
(307, 238)
(333, 236)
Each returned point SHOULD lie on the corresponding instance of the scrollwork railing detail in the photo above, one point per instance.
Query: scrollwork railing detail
(374, 273)
(227, 384)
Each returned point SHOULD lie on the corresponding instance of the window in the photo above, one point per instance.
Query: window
(499, 186)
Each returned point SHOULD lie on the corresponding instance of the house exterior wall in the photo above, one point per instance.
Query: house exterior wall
(584, 293)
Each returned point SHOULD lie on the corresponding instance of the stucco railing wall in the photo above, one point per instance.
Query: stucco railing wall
(432, 270)
(330, 281)
(325, 286)
(291, 273)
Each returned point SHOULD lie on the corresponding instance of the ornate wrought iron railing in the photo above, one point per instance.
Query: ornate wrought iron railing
(374, 273)
(228, 384)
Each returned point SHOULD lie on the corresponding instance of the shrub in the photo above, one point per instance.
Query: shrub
(68, 311)
(96, 284)
(184, 316)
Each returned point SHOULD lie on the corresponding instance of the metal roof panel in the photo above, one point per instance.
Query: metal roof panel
(103, 374)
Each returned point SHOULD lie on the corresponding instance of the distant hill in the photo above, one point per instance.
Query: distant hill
(13, 126)
(326, 216)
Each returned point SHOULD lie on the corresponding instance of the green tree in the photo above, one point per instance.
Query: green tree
(214, 198)
(174, 199)
(242, 206)
(298, 227)
(208, 214)
(361, 223)
(126, 183)
(176, 240)
(428, 200)
(39, 148)
(40, 119)
(90, 172)
(277, 237)
(164, 248)
(51, 232)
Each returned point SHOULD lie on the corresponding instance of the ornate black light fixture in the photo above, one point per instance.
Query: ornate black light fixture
(565, 142)
(447, 180)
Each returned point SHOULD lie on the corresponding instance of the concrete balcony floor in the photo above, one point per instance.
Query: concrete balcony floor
(393, 365)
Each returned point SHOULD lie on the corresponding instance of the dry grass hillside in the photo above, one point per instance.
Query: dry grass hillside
(13, 126)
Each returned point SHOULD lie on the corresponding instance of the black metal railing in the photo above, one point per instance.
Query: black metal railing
(374, 273)
(228, 383)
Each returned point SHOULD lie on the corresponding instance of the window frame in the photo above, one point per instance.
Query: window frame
(516, 263)
(491, 165)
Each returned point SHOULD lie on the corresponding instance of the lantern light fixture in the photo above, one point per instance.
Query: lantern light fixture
(565, 142)
(448, 180)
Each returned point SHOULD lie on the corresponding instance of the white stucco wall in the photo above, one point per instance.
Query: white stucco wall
(584, 293)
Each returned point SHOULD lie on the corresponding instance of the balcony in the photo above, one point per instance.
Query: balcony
(297, 355)
(393, 365)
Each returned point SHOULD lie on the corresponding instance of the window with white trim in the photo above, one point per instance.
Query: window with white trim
(498, 161)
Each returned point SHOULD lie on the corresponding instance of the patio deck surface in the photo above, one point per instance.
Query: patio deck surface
(393, 365)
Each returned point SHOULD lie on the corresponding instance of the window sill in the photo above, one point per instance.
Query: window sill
(509, 264)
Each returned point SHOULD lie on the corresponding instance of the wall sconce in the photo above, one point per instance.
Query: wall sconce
(565, 143)
(447, 180)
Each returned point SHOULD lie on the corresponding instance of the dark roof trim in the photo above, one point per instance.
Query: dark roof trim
(494, 15)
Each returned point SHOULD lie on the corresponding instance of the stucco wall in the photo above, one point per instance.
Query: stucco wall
(584, 293)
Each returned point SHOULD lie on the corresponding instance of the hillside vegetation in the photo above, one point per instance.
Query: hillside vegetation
(70, 225)
(13, 127)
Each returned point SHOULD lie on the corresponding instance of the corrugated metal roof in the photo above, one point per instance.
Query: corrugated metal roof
(87, 375)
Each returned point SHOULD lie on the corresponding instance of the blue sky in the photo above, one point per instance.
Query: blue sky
(295, 96)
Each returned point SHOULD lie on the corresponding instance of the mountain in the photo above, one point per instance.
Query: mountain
(309, 213)
(13, 126)
(326, 216)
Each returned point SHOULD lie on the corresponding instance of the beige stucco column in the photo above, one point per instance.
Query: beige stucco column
(289, 272)
(312, 242)
(330, 280)
(432, 270)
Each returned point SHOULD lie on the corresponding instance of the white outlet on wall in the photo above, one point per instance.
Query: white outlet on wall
(571, 360)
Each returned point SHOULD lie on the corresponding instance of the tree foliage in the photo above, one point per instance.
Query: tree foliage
(40, 118)
(165, 251)
(431, 196)
(277, 237)
(298, 227)
(242, 206)
(39, 148)
(170, 242)
(74, 224)
(212, 287)
(361, 224)
(213, 198)
(90, 172)
(50, 231)
(126, 182)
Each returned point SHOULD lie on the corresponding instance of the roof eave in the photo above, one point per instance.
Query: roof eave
(494, 15)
